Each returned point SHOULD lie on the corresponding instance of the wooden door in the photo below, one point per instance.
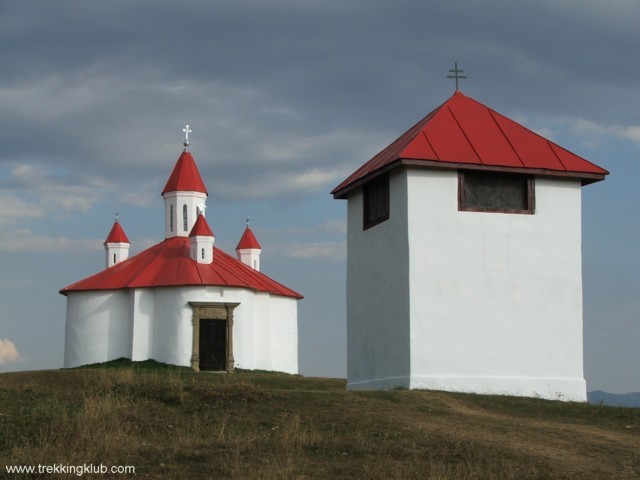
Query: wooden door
(213, 344)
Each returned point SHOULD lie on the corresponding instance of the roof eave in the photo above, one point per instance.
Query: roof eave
(586, 177)
(295, 295)
(341, 193)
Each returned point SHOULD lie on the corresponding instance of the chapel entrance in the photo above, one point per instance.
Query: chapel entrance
(213, 344)
(212, 336)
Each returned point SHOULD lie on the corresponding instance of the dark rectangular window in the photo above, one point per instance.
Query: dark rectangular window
(375, 201)
(495, 192)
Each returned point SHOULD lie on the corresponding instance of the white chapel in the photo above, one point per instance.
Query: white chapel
(183, 301)
(464, 268)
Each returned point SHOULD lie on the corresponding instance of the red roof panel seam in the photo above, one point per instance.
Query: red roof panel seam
(426, 137)
(229, 272)
(550, 144)
(505, 137)
(152, 260)
(464, 134)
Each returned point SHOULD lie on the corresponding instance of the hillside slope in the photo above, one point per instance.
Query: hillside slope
(173, 423)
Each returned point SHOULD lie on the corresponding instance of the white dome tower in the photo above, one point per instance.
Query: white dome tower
(184, 194)
(201, 241)
(248, 249)
(116, 246)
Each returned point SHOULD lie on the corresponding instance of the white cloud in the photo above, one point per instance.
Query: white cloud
(591, 130)
(321, 250)
(8, 352)
(335, 225)
(32, 190)
(273, 184)
(24, 241)
(14, 207)
(57, 96)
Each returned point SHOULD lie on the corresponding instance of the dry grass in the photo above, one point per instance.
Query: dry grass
(174, 423)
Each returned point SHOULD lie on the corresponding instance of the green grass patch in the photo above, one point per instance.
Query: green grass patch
(172, 422)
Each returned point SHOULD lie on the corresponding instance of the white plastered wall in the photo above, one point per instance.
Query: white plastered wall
(192, 200)
(250, 257)
(156, 323)
(378, 294)
(115, 252)
(98, 327)
(496, 299)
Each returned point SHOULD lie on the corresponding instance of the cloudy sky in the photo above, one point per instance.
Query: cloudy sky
(285, 99)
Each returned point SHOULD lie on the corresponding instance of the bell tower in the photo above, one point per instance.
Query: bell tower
(184, 194)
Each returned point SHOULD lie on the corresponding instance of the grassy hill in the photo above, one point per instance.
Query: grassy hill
(173, 423)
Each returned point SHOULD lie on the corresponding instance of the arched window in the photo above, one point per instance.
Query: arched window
(185, 222)
(171, 218)
(202, 254)
(114, 258)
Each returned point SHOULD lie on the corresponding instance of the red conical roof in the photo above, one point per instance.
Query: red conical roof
(463, 133)
(248, 240)
(185, 176)
(201, 228)
(117, 235)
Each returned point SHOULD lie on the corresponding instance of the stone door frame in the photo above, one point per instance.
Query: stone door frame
(212, 311)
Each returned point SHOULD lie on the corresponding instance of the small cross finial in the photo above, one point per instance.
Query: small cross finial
(248, 221)
(186, 131)
(116, 216)
(455, 75)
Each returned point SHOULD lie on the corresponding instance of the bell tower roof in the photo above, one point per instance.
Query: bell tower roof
(117, 235)
(201, 228)
(185, 176)
(248, 240)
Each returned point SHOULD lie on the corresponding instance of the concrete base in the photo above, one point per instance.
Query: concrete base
(565, 389)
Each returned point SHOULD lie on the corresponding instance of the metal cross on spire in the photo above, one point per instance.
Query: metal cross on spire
(186, 131)
(455, 75)
(248, 219)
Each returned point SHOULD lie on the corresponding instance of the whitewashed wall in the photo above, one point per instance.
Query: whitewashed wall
(100, 327)
(378, 353)
(495, 299)
(178, 199)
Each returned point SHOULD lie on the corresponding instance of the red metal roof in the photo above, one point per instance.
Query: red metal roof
(248, 240)
(117, 235)
(201, 228)
(463, 133)
(185, 176)
(168, 264)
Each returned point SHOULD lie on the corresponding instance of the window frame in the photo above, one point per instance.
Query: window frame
(530, 194)
(368, 189)
(185, 218)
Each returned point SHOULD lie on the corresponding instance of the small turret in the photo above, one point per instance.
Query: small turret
(201, 241)
(249, 249)
(116, 245)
